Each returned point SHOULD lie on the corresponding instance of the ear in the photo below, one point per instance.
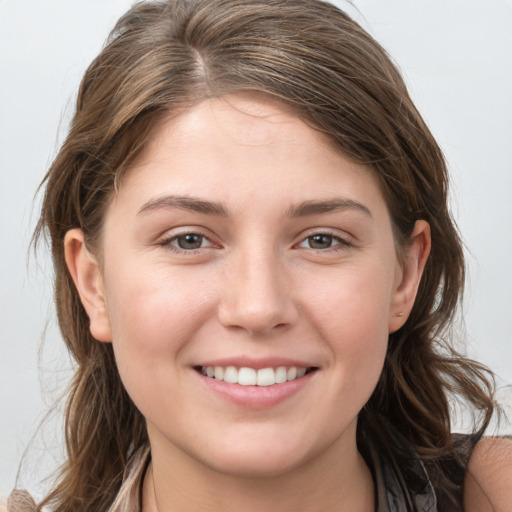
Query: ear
(86, 274)
(409, 275)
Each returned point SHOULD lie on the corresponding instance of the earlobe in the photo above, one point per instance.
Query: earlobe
(86, 274)
(410, 275)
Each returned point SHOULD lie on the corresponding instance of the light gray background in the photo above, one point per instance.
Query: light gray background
(457, 59)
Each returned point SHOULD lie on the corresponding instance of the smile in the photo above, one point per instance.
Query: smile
(251, 377)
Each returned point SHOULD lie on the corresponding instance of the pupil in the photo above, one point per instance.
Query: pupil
(320, 241)
(190, 241)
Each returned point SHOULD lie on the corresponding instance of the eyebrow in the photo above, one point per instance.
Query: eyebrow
(327, 206)
(303, 209)
(184, 203)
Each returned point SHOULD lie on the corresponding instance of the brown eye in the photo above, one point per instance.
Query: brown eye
(190, 241)
(320, 241)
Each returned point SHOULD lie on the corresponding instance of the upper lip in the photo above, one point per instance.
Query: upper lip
(257, 364)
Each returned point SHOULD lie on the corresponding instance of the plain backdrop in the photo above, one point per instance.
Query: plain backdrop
(456, 56)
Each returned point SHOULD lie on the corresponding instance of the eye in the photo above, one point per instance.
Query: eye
(187, 242)
(321, 241)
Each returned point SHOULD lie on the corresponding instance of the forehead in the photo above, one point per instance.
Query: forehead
(238, 147)
(241, 120)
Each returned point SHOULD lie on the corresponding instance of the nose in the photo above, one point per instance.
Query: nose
(257, 296)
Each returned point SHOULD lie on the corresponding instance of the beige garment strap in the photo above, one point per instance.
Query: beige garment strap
(127, 500)
(129, 496)
(20, 501)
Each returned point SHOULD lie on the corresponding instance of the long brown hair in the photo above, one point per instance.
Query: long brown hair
(164, 56)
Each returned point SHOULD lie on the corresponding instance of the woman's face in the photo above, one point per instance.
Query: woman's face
(242, 239)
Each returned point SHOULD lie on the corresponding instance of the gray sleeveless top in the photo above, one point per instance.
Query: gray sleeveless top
(389, 496)
(391, 492)
(388, 488)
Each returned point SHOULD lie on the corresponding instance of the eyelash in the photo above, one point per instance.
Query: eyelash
(171, 242)
(168, 242)
(341, 243)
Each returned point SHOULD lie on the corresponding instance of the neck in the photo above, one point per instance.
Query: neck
(337, 481)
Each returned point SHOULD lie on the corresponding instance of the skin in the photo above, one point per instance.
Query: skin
(488, 482)
(257, 287)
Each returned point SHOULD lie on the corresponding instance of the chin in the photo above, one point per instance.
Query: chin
(264, 454)
(254, 464)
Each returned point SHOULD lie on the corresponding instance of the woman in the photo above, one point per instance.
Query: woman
(255, 267)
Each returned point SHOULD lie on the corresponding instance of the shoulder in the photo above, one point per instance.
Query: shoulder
(18, 501)
(488, 481)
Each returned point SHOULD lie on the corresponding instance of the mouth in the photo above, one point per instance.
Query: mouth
(245, 376)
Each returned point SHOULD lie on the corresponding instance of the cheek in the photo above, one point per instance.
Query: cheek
(352, 315)
(355, 304)
(152, 318)
(155, 305)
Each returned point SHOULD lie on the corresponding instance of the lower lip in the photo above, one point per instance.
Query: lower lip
(256, 397)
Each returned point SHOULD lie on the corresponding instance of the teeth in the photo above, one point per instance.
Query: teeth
(266, 377)
(281, 375)
(292, 373)
(230, 374)
(251, 377)
(247, 377)
(218, 373)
